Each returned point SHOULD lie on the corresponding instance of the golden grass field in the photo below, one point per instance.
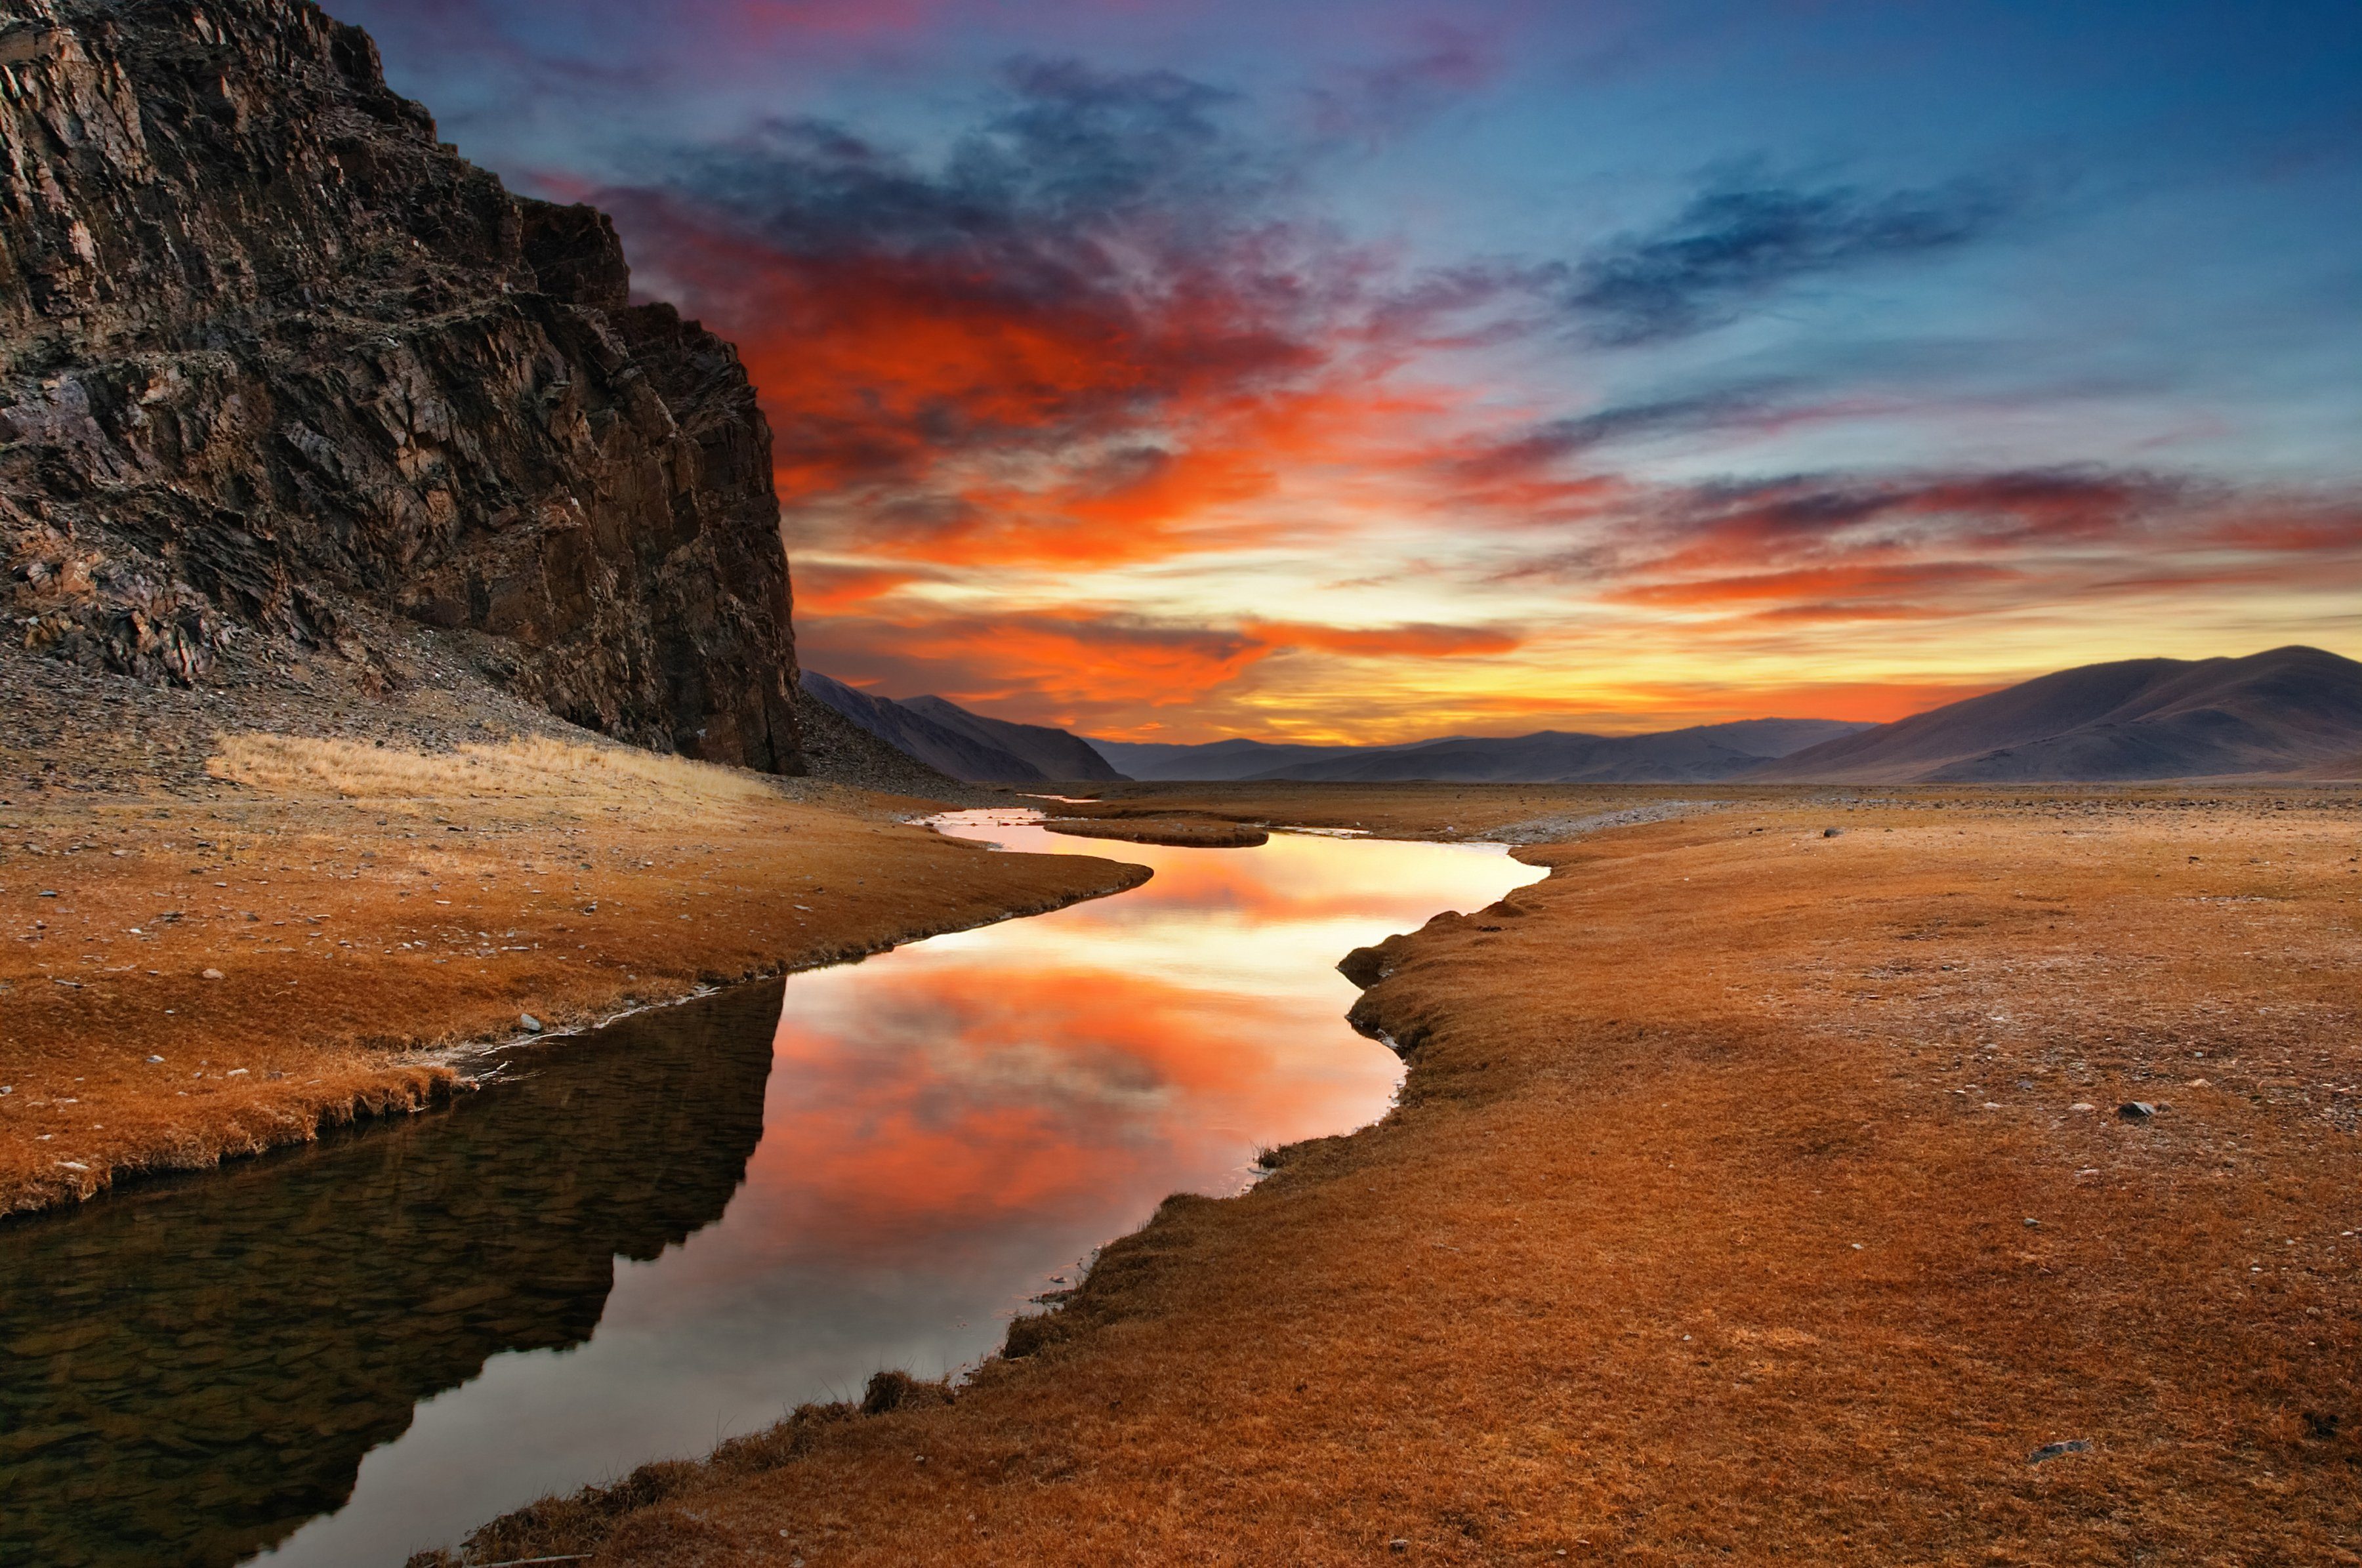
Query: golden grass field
(1757, 1195)
(365, 909)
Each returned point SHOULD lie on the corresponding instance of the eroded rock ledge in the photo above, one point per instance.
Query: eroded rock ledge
(282, 376)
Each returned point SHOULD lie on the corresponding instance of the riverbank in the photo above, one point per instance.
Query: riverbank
(1759, 1190)
(1181, 832)
(314, 930)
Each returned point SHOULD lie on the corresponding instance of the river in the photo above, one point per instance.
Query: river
(643, 1241)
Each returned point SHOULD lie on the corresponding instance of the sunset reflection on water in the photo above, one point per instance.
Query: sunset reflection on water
(1079, 1066)
(948, 1129)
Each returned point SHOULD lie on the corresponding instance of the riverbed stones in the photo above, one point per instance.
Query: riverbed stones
(2056, 1449)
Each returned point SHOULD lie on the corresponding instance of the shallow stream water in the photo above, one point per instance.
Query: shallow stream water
(675, 1230)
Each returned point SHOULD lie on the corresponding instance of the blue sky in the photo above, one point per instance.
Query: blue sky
(1359, 371)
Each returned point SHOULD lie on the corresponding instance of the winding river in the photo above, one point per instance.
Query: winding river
(675, 1230)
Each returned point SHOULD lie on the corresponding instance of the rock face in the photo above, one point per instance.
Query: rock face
(280, 375)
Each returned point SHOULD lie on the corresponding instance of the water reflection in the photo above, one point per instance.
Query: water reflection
(196, 1372)
(194, 1369)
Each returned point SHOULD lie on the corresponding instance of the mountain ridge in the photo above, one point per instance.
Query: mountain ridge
(1696, 754)
(2286, 711)
(964, 745)
(1055, 754)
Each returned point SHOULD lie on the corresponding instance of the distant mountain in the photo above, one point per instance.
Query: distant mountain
(1214, 760)
(1673, 757)
(1698, 754)
(969, 746)
(2291, 711)
(837, 749)
(1053, 753)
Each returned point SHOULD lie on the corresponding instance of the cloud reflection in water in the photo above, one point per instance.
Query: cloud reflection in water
(946, 1127)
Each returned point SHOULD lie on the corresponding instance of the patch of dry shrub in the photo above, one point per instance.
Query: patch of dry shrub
(530, 767)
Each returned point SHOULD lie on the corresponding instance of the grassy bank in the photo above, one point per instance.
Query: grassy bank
(194, 972)
(1757, 1193)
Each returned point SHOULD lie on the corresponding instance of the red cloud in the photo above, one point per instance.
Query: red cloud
(1054, 667)
(1830, 585)
(1081, 341)
(1076, 671)
(832, 590)
(1416, 641)
(948, 407)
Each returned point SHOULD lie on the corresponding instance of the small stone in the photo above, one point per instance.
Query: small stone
(214, 975)
(2083, 1105)
(532, 1024)
(1831, 832)
(155, 1058)
(2053, 1450)
(2135, 1110)
(1398, 1544)
(2031, 1223)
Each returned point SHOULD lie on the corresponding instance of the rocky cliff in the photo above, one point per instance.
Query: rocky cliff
(282, 378)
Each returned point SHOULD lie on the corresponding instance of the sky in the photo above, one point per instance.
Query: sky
(1370, 370)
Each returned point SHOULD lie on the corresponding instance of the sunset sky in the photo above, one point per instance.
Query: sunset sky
(1375, 370)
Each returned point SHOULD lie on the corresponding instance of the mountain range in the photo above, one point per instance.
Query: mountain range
(2291, 711)
(968, 747)
(1697, 755)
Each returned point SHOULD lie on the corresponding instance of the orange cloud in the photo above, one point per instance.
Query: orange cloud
(1085, 346)
(832, 588)
(1832, 589)
(1415, 641)
(975, 1092)
(1051, 664)
(1073, 669)
(931, 408)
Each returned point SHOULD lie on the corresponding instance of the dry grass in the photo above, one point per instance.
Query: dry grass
(1702, 1234)
(526, 768)
(365, 909)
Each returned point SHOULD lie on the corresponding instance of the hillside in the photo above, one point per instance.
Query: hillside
(289, 391)
(1052, 753)
(966, 747)
(2291, 710)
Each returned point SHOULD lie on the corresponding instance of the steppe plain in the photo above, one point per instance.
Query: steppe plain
(221, 942)
(1758, 1194)
(1759, 1190)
